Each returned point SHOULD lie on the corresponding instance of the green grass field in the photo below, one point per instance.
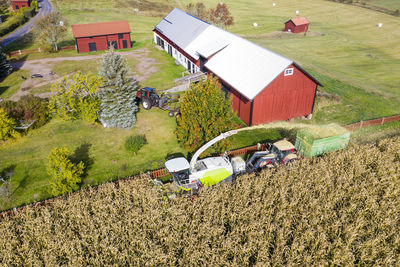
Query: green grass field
(389, 4)
(102, 147)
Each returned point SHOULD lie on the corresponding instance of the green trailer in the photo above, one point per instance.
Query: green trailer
(310, 143)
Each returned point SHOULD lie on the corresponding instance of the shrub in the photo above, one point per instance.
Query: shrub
(76, 98)
(65, 175)
(12, 23)
(29, 12)
(134, 142)
(7, 125)
(206, 113)
(28, 108)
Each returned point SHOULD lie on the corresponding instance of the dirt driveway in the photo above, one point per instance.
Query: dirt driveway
(144, 69)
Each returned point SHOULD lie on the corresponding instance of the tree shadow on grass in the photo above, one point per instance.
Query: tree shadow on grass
(81, 153)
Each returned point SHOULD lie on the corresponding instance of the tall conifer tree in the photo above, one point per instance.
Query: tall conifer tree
(118, 107)
(5, 67)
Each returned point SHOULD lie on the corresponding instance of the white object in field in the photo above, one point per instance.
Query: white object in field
(255, 24)
(297, 12)
(136, 10)
(380, 25)
(273, 4)
(61, 23)
(238, 165)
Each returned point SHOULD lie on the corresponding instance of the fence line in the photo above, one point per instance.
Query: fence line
(37, 50)
(373, 122)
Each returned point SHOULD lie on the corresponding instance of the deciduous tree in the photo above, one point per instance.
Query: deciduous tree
(50, 29)
(77, 97)
(221, 16)
(198, 10)
(118, 107)
(206, 113)
(65, 175)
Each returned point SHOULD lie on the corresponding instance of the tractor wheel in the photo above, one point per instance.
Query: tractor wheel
(171, 113)
(146, 103)
(178, 115)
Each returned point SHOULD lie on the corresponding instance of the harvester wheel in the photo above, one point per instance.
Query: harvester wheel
(171, 113)
(146, 103)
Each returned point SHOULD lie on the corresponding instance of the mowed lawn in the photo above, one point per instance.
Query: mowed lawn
(103, 150)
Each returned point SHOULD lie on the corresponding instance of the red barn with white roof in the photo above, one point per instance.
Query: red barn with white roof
(264, 86)
(18, 4)
(100, 36)
(296, 25)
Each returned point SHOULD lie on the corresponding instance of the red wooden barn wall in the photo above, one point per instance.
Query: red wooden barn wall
(284, 98)
(295, 29)
(101, 42)
(20, 4)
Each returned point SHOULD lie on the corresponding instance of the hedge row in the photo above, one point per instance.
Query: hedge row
(15, 21)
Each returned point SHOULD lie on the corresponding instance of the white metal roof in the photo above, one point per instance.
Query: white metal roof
(247, 67)
(176, 165)
(210, 41)
(181, 27)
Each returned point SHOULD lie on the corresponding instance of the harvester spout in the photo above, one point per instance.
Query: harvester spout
(209, 144)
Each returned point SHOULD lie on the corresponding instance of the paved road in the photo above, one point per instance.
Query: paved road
(45, 8)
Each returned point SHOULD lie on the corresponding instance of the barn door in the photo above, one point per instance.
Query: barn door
(92, 47)
(170, 50)
(124, 43)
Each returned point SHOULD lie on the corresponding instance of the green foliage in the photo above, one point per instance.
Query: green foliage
(5, 67)
(29, 12)
(48, 31)
(12, 23)
(7, 125)
(118, 107)
(35, 4)
(134, 142)
(4, 6)
(65, 175)
(28, 108)
(76, 98)
(206, 113)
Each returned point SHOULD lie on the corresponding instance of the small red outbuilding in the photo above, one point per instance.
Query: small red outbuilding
(296, 25)
(100, 36)
(17, 4)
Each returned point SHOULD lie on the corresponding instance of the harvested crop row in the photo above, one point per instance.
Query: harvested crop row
(340, 209)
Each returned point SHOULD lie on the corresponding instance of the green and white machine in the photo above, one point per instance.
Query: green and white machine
(205, 172)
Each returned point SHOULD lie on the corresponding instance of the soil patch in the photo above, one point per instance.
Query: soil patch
(143, 70)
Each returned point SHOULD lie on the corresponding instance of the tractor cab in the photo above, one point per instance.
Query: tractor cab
(284, 151)
(148, 92)
(180, 170)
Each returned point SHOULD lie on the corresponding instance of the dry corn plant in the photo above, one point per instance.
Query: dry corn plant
(339, 209)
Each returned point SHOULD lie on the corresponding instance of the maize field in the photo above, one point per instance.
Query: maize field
(339, 209)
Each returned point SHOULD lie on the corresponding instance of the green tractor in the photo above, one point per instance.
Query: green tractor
(149, 98)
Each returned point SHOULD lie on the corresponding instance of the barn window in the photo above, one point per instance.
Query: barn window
(120, 35)
(289, 72)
